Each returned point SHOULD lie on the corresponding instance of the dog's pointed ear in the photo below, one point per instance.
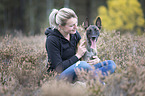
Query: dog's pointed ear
(86, 23)
(98, 23)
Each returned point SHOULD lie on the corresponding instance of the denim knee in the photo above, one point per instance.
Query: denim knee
(112, 65)
(84, 65)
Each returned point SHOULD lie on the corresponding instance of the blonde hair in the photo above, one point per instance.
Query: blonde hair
(60, 17)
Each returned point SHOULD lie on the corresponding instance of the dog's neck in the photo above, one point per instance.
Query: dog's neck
(90, 49)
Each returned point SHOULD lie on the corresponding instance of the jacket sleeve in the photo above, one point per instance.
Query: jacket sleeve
(54, 55)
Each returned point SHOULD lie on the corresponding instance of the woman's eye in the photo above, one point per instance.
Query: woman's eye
(73, 25)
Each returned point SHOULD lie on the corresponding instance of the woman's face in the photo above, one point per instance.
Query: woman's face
(71, 26)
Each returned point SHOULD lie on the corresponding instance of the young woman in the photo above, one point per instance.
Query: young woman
(61, 45)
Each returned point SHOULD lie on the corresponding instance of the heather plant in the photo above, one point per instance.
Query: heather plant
(22, 60)
(62, 88)
(129, 82)
(128, 52)
(23, 71)
(121, 48)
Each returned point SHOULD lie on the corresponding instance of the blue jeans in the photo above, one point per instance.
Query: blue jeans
(104, 67)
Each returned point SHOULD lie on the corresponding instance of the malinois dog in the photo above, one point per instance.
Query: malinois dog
(92, 33)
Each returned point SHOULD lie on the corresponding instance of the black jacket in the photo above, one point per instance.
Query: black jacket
(61, 52)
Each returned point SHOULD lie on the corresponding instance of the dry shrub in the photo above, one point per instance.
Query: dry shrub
(129, 83)
(128, 52)
(23, 72)
(94, 83)
(120, 48)
(23, 60)
(62, 88)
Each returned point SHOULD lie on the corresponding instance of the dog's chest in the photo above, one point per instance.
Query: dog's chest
(89, 55)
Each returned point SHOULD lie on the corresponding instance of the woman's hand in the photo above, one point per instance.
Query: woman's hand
(81, 50)
(95, 60)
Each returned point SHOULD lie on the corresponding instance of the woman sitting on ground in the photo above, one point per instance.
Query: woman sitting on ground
(61, 45)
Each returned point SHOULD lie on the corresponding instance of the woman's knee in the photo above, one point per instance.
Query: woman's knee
(84, 65)
(112, 65)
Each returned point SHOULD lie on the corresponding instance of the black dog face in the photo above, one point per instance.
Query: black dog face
(92, 32)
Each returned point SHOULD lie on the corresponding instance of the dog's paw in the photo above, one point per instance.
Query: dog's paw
(77, 63)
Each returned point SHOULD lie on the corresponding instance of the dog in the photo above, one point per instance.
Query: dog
(91, 36)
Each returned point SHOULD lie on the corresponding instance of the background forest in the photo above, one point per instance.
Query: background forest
(30, 17)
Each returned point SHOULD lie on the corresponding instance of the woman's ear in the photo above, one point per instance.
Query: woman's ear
(59, 27)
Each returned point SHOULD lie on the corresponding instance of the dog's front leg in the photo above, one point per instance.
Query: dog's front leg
(94, 60)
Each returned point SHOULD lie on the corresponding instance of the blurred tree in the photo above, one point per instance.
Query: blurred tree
(95, 4)
(9, 11)
(142, 2)
(26, 16)
(35, 16)
(66, 3)
(49, 6)
(122, 15)
(30, 16)
(31, 12)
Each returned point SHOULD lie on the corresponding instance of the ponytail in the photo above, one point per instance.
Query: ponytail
(52, 18)
(60, 17)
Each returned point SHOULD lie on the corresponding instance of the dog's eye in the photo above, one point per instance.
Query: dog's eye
(95, 29)
(89, 31)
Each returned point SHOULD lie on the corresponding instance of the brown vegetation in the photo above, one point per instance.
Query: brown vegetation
(23, 72)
